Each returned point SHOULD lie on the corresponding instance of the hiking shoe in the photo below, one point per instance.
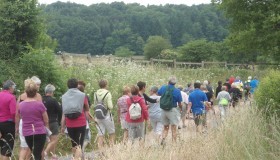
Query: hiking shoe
(163, 142)
(179, 127)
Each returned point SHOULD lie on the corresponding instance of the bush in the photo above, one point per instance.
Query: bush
(267, 95)
(42, 63)
(124, 52)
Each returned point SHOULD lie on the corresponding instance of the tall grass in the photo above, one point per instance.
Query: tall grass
(244, 135)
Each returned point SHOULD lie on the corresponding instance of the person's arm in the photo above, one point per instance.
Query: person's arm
(148, 99)
(59, 111)
(189, 109)
(17, 118)
(144, 109)
(13, 107)
(46, 119)
(109, 101)
(62, 124)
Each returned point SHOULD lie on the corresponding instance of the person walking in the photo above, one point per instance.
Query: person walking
(155, 113)
(236, 95)
(142, 89)
(223, 99)
(136, 127)
(106, 122)
(75, 109)
(170, 115)
(219, 88)
(81, 87)
(122, 111)
(7, 119)
(25, 152)
(35, 120)
(198, 102)
(54, 113)
(185, 101)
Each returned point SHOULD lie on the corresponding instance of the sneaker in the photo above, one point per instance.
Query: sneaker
(163, 142)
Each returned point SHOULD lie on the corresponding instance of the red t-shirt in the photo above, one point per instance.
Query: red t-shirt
(78, 122)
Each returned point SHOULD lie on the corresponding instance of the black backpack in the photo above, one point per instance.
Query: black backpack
(166, 100)
(100, 110)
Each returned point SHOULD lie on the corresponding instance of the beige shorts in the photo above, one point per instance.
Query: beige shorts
(104, 125)
(171, 117)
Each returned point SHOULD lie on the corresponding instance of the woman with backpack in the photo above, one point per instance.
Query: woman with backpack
(223, 100)
(137, 114)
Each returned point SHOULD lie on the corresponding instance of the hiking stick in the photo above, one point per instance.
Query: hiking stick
(145, 130)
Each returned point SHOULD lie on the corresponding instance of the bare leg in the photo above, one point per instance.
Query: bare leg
(4, 158)
(100, 142)
(52, 144)
(112, 139)
(24, 153)
(125, 135)
(174, 132)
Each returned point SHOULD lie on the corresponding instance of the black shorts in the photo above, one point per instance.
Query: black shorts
(7, 130)
(77, 135)
(54, 127)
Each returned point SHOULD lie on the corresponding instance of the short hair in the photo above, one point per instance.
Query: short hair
(203, 87)
(102, 83)
(8, 84)
(126, 90)
(172, 80)
(36, 80)
(205, 82)
(237, 77)
(180, 87)
(220, 82)
(141, 85)
(72, 83)
(224, 88)
(49, 88)
(197, 85)
(30, 88)
(134, 90)
(154, 89)
(81, 85)
(189, 84)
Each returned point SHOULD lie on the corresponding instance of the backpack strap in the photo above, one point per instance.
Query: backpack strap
(132, 101)
(104, 96)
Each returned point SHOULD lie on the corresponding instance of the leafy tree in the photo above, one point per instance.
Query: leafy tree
(124, 52)
(20, 26)
(198, 50)
(169, 54)
(255, 27)
(155, 45)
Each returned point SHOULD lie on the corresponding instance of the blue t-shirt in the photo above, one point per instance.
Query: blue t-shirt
(254, 84)
(177, 97)
(197, 98)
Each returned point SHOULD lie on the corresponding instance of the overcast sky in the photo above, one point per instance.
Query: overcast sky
(143, 2)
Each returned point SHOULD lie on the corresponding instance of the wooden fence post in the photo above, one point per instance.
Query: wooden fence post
(226, 64)
(174, 63)
(89, 58)
(202, 64)
(152, 61)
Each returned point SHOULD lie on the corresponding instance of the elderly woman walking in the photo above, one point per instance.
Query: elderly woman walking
(54, 114)
(34, 120)
(7, 119)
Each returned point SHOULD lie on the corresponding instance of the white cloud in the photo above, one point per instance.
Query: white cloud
(143, 2)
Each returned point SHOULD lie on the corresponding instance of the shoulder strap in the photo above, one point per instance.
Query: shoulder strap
(104, 96)
(132, 101)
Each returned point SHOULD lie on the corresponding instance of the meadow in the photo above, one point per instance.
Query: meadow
(245, 135)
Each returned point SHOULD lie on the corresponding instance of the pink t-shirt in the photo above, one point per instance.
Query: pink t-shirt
(32, 117)
(7, 106)
(78, 122)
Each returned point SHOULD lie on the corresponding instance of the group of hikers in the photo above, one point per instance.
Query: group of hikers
(39, 119)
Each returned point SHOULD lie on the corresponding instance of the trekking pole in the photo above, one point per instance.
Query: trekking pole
(145, 130)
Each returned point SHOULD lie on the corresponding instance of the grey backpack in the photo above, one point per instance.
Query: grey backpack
(100, 109)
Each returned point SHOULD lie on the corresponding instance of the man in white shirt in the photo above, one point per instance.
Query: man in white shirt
(185, 102)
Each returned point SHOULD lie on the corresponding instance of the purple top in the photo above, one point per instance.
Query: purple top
(32, 117)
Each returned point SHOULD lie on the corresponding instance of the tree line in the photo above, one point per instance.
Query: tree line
(103, 28)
